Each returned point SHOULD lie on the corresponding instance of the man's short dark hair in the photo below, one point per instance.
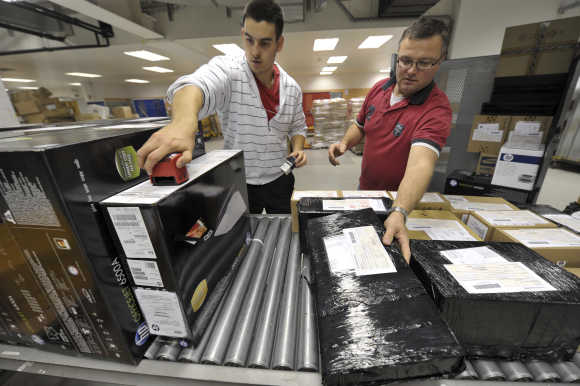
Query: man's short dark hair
(427, 27)
(265, 10)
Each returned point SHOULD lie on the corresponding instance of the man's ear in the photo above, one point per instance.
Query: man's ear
(280, 44)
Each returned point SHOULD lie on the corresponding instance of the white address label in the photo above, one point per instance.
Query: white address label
(162, 312)
(132, 232)
(145, 273)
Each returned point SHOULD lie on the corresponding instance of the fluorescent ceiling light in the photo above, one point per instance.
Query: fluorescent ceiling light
(329, 68)
(28, 88)
(75, 84)
(336, 59)
(325, 44)
(157, 69)
(325, 72)
(388, 69)
(375, 41)
(84, 75)
(136, 81)
(229, 48)
(146, 55)
(18, 80)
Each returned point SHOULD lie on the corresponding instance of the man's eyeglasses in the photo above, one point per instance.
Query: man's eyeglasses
(422, 65)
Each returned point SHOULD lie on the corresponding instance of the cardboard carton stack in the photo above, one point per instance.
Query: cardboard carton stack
(331, 119)
(37, 106)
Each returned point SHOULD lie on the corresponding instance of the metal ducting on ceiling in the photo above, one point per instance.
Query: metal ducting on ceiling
(382, 9)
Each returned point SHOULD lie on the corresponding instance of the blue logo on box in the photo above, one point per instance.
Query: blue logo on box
(142, 334)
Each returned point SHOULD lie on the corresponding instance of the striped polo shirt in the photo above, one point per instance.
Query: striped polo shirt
(230, 89)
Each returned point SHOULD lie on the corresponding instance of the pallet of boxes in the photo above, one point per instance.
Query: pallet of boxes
(37, 106)
(331, 119)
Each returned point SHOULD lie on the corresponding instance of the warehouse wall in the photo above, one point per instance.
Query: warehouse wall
(480, 25)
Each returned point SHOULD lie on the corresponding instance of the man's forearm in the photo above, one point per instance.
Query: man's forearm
(298, 142)
(416, 179)
(353, 136)
(187, 103)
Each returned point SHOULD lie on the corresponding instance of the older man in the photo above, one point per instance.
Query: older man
(406, 120)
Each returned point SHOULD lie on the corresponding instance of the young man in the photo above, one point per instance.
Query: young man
(406, 120)
(259, 104)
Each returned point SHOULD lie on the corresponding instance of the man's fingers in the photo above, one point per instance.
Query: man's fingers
(154, 157)
(342, 148)
(332, 150)
(388, 237)
(144, 151)
(403, 240)
(184, 159)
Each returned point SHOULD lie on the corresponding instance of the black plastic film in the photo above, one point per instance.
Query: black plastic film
(375, 328)
(515, 326)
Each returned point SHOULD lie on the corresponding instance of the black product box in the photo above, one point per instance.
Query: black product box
(49, 185)
(179, 241)
(310, 207)
(374, 326)
(462, 183)
(517, 306)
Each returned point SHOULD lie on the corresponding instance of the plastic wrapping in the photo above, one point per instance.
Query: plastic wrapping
(309, 207)
(375, 328)
(514, 326)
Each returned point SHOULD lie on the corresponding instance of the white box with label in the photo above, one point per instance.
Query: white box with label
(518, 168)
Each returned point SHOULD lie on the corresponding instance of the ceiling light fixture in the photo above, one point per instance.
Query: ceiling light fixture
(75, 84)
(29, 88)
(388, 69)
(325, 72)
(336, 59)
(229, 49)
(84, 75)
(325, 44)
(18, 80)
(329, 69)
(136, 81)
(375, 41)
(146, 55)
(158, 69)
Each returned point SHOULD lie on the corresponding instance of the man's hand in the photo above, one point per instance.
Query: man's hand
(336, 150)
(177, 137)
(300, 158)
(395, 227)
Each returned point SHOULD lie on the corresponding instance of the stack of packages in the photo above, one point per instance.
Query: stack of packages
(331, 120)
(37, 106)
(355, 106)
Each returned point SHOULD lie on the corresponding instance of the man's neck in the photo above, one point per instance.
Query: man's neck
(266, 78)
(396, 91)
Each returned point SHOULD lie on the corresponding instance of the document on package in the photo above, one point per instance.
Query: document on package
(368, 251)
(354, 204)
(477, 255)
(438, 229)
(566, 220)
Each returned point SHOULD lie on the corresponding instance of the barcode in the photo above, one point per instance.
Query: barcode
(129, 241)
(126, 224)
(125, 217)
(538, 242)
(150, 265)
(139, 277)
(486, 286)
(352, 239)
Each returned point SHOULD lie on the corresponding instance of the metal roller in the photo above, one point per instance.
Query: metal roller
(542, 371)
(151, 352)
(169, 351)
(488, 370)
(285, 343)
(468, 373)
(261, 350)
(515, 371)
(220, 337)
(307, 355)
(193, 354)
(568, 371)
(577, 359)
(239, 346)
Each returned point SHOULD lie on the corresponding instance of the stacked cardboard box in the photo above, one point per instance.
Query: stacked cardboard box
(486, 223)
(37, 106)
(331, 119)
(438, 225)
(463, 206)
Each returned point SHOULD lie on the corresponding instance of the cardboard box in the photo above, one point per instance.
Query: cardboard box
(179, 241)
(298, 194)
(486, 223)
(50, 185)
(122, 112)
(27, 107)
(486, 164)
(558, 245)
(520, 37)
(575, 271)
(488, 133)
(518, 168)
(429, 201)
(530, 124)
(438, 225)
(463, 206)
(35, 118)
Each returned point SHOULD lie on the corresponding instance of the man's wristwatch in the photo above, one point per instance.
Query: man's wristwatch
(400, 210)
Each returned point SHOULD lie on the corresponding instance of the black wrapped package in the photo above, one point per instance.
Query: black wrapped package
(374, 328)
(501, 299)
(309, 207)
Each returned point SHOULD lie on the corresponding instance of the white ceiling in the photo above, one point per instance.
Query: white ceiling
(297, 57)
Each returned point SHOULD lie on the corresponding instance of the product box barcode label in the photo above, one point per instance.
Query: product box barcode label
(145, 273)
(132, 233)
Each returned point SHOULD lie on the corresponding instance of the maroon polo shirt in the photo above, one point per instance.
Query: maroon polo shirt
(270, 96)
(390, 131)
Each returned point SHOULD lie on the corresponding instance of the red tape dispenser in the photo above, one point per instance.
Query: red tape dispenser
(167, 173)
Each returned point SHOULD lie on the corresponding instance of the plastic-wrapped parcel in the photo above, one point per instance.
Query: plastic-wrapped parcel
(501, 299)
(309, 207)
(373, 328)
